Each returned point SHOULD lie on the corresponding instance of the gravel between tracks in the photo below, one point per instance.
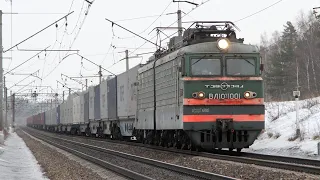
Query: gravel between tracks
(62, 165)
(145, 169)
(233, 169)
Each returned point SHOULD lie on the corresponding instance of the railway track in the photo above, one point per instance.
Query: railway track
(179, 170)
(278, 162)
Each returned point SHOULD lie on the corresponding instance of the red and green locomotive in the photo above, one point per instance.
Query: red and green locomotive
(216, 100)
(205, 91)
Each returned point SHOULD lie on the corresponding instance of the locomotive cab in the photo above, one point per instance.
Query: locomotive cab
(223, 105)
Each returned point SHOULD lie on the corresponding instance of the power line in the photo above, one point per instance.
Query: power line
(77, 19)
(113, 23)
(48, 50)
(164, 28)
(139, 33)
(152, 22)
(82, 23)
(26, 61)
(157, 18)
(26, 13)
(172, 24)
(37, 33)
(71, 5)
(77, 34)
(259, 11)
(143, 17)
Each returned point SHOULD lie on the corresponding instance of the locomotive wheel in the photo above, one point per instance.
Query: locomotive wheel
(239, 150)
(230, 149)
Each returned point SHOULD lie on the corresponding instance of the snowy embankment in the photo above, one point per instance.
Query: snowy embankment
(280, 138)
(17, 161)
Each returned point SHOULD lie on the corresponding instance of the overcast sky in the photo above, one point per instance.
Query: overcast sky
(96, 34)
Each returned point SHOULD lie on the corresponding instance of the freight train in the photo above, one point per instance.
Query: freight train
(205, 91)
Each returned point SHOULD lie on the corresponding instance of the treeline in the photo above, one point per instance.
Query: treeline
(292, 60)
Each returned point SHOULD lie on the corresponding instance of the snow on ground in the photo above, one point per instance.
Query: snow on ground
(17, 161)
(280, 129)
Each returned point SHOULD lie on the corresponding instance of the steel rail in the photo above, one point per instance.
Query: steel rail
(172, 167)
(285, 159)
(279, 162)
(117, 169)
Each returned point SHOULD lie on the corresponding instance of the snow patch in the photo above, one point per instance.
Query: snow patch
(280, 123)
(17, 161)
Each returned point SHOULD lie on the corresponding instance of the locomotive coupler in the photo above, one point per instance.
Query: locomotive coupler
(224, 124)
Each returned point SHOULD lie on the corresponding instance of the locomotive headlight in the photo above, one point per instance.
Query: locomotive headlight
(250, 94)
(247, 94)
(201, 95)
(223, 44)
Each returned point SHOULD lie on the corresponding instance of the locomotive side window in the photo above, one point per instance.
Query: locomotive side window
(205, 67)
(241, 67)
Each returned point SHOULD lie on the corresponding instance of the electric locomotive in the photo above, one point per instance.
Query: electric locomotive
(212, 97)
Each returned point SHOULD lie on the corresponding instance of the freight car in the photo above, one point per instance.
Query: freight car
(204, 92)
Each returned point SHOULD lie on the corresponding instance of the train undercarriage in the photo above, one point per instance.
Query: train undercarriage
(197, 136)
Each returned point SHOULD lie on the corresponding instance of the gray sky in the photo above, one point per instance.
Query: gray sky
(96, 34)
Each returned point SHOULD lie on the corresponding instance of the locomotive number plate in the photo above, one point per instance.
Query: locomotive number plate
(224, 96)
(200, 110)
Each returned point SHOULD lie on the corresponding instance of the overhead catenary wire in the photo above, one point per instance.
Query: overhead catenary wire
(77, 34)
(37, 32)
(241, 18)
(158, 16)
(26, 61)
(113, 23)
(24, 79)
(142, 17)
(77, 19)
(164, 28)
(173, 24)
(65, 32)
(82, 23)
(33, 13)
(259, 11)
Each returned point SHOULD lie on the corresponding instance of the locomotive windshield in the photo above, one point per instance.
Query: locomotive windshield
(241, 67)
(205, 67)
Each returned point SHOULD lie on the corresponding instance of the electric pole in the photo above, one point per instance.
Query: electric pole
(296, 95)
(6, 107)
(6, 125)
(127, 60)
(62, 96)
(179, 15)
(69, 91)
(86, 84)
(100, 74)
(179, 23)
(1, 84)
(13, 110)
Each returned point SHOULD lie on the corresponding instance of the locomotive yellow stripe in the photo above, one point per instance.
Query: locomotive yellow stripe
(221, 78)
(206, 101)
(213, 118)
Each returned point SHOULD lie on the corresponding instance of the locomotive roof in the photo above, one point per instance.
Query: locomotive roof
(204, 47)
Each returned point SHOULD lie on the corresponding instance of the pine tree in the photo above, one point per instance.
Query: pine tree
(282, 75)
